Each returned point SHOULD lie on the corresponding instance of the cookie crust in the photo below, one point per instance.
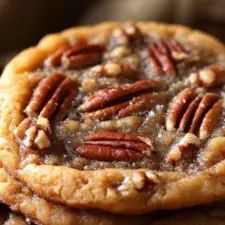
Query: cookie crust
(21, 199)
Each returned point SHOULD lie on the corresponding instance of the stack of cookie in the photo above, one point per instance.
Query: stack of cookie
(119, 123)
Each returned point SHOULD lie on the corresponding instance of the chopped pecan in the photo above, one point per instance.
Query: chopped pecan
(120, 52)
(113, 69)
(126, 34)
(50, 101)
(139, 181)
(194, 113)
(75, 57)
(113, 146)
(209, 77)
(187, 143)
(41, 140)
(29, 136)
(35, 134)
(129, 122)
(163, 56)
(19, 132)
(122, 100)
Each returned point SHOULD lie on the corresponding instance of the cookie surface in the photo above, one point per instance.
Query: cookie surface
(21, 199)
(127, 118)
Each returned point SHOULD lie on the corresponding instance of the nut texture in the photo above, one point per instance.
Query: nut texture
(163, 55)
(114, 69)
(50, 101)
(193, 113)
(122, 100)
(113, 146)
(187, 143)
(75, 57)
(126, 35)
(209, 77)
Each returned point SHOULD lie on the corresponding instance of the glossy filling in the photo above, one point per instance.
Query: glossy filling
(135, 102)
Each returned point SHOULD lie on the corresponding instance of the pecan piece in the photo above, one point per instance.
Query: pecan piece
(127, 108)
(177, 51)
(205, 105)
(52, 97)
(126, 34)
(19, 132)
(187, 143)
(113, 146)
(143, 102)
(49, 102)
(105, 96)
(113, 96)
(75, 57)
(177, 107)
(54, 59)
(62, 97)
(163, 56)
(113, 69)
(107, 153)
(194, 113)
(123, 100)
(108, 112)
(209, 77)
(35, 134)
(210, 120)
(40, 94)
(120, 52)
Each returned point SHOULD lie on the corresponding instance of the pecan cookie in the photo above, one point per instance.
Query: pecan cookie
(127, 118)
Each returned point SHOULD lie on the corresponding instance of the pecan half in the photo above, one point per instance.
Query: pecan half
(113, 146)
(52, 97)
(187, 143)
(209, 77)
(75, 57)
(122, 100)
(194, 113)
(163, 56)
(50, 102)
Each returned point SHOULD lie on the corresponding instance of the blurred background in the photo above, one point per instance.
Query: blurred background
(24, 22)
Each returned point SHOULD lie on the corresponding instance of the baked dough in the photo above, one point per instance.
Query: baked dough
(22, 200)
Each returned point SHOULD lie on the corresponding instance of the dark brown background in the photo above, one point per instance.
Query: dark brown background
(24, 22)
